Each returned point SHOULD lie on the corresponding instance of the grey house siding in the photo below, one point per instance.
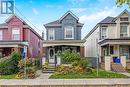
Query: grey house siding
(58, 34)
(69, 20)
(59, 31)
(78, 33)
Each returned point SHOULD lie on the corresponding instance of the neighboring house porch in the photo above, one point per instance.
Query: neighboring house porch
(118, 50)
(7, 47)
(51, 49)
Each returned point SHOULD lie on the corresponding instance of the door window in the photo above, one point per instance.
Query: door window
(124, 51)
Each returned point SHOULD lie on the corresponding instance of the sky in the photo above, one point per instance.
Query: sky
(90, 12)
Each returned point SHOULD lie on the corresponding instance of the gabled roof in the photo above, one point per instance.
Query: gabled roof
(108, 20)
(69, 12)
(57, 22)
(54, 22)
(3, 24)
(14, 15)
(125, 11)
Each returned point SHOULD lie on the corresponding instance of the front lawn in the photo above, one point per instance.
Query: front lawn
(8, 76)
(128, 71)
(102, 74)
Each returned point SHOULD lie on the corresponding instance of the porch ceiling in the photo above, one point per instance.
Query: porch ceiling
(120, 41)
(12, 43)
(48, 43)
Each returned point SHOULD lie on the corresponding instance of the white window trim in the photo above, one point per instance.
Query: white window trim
(49, 34)
(106, 32)
(1, 35)
(72, 33)
(15, 28)
(127, 30)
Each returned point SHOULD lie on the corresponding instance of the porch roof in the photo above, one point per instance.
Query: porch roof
(48, 43)
(13, 43)
(120, 41)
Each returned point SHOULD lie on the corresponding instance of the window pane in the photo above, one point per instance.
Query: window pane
(103, 33)
(124, 19)
(123, 31)
(69, 32)
(51, 34)
(16, 34)
(1, 36)
(111, 50)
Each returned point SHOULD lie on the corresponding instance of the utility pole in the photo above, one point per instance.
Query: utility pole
(97, 59)
(25, 57)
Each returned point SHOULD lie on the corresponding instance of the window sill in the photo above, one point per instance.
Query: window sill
(69, 38)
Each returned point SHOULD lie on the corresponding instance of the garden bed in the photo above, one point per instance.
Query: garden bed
(102, 74)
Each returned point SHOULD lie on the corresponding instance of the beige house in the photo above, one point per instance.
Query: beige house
(110, 41)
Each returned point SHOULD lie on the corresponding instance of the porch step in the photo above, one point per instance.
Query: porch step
(118, 67)
(51, 64)
(50, 69)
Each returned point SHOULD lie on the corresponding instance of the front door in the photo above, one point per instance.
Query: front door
(51, 55)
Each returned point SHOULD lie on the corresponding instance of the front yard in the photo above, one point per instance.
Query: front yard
(102, 74)
(8, 76)
(79, 68)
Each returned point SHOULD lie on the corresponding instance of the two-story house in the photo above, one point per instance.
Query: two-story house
(63, 34)
(110, 41)
(17, 35)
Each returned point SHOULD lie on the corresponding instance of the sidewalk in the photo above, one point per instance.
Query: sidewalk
(66, 82)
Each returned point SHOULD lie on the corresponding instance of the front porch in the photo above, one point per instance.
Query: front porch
(117, 50)
(7, 47)
(52, 48)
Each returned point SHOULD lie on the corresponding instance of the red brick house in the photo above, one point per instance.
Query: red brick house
(17, 35)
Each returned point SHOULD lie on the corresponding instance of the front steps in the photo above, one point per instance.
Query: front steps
(50, 69)
(117, 67)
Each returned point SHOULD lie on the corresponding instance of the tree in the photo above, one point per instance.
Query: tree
(120, 2)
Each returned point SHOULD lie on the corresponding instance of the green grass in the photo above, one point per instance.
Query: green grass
(102, 74)
(8, 76)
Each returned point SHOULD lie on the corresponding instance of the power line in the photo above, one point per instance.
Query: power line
(27, 19)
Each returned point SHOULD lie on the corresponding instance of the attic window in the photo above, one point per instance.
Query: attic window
(124, 19)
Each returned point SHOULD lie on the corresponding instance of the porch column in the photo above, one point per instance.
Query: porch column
(82, 51)
(107, 63)
(123, 61)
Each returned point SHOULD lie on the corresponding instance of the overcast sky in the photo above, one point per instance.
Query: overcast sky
(90, 12)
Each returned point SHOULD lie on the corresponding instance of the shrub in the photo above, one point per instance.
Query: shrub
(31, 68)
(69, 70)
(75, 63)
(83, 63)
(69, 56)
(9, 66)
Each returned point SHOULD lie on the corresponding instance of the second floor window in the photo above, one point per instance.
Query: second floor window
(69, 32)
(1, 35)
(123, 31)
(103, 32)
(15, 34)
(51, 34)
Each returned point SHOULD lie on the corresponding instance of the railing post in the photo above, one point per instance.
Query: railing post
(107, 63)
(123, 61)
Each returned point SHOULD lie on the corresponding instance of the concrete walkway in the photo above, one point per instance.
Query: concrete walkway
(44, 76)
(127, 74)
(66, 82)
